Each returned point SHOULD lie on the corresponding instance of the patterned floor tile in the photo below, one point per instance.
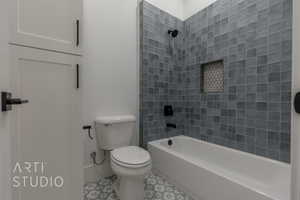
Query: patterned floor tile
(156, 188)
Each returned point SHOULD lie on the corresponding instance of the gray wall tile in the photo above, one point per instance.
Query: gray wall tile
(254, 38)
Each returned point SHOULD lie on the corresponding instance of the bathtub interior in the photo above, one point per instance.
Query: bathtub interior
(261, 174)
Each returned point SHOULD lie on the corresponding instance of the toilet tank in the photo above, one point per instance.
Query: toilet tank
(114, 131)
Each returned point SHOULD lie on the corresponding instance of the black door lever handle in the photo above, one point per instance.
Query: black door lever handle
(16, 101)
(7, 101)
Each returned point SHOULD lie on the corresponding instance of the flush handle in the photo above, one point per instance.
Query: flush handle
(88, 127)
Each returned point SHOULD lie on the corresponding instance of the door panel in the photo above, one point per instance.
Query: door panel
(47, 24)
(47, 129)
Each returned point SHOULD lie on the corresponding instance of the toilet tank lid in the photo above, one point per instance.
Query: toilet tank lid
(115, 119)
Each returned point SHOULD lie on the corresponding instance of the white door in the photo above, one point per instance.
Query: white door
(47, 129)
(46, 24)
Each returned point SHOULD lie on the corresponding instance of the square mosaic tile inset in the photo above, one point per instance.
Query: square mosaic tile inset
(156, 188)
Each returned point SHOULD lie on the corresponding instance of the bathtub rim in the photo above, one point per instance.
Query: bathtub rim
(157, 144)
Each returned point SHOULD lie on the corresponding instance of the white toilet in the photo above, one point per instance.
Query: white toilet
(130, 163)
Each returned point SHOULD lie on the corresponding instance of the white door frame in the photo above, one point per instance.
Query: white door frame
(5, 192)
(295, 137)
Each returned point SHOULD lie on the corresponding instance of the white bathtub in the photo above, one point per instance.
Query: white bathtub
(212, 172)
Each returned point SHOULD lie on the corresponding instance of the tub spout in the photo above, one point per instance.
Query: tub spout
(170, 142)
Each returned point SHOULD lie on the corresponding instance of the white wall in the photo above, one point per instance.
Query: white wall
(5, 192)
(181, 9)
(110, 70)
(191, 7)
(173, 7)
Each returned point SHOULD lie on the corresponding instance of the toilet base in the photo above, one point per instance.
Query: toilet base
(128, 188)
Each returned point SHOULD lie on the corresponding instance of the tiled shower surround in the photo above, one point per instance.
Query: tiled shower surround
(161, 74)
(254, 40)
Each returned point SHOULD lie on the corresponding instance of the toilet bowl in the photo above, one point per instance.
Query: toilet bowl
(130, 164)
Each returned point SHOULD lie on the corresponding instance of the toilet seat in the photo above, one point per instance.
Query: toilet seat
(131, 157)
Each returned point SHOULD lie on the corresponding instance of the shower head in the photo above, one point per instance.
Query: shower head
(173, 33)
